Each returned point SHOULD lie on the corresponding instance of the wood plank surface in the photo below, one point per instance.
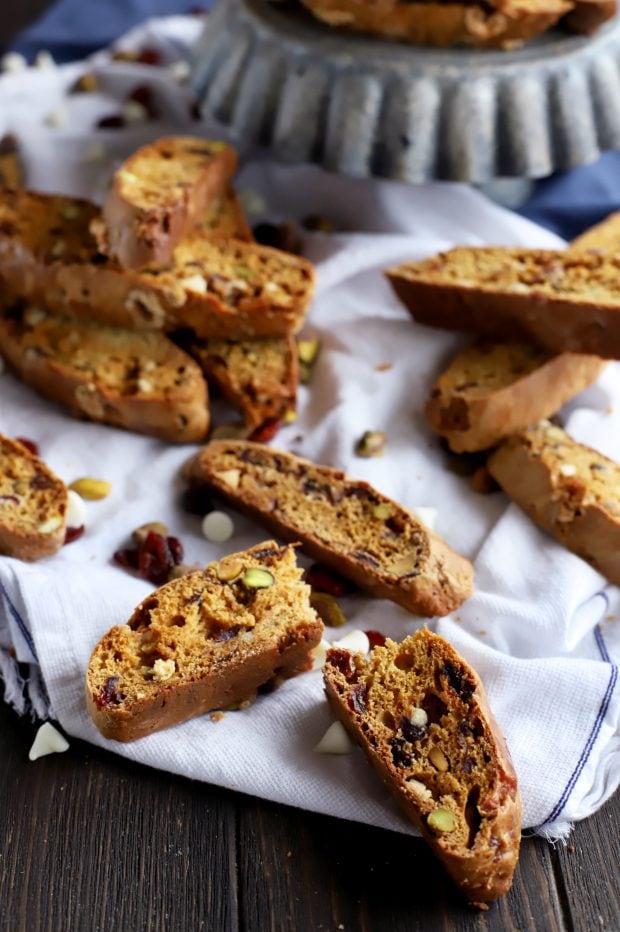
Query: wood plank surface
(90, 841)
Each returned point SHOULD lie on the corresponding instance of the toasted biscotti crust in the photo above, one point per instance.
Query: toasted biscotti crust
(33, 504)
(158, 195)
(206, 641)
(457, 760)
(605, 235)
(588, 15)
(136, 380)
(563, 300)
(493, 390)
(566, 488)
(219, 288)
(500, 25)
(389, 552)
(225, 219)
(259, 377)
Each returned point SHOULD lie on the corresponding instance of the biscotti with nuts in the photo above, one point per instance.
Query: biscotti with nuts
(11, 166)
(605, 235)
(588, 15)
(562, 300)
(137, 380)
(206, 641)
(225, 219)
(219, 288)
(421, 716)
(33, 504)
(567, 489)
(492, 390)
(258, 377)
(159, 195)
(346, 524)
(501, 24)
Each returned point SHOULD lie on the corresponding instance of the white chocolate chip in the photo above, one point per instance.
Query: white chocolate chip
(51, 525)
(48, 740)
(420, 789)
(144, 385)
(355, 641)
(164, 669)
(567, 469)
(197, 283)
(319, 654)
(217, 527)
(418, 717)
(428, 516)
(335, 741)
(230, 477)
(134, 112)
(13, 62)
(76, 510)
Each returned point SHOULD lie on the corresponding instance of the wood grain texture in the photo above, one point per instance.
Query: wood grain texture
(90, 841)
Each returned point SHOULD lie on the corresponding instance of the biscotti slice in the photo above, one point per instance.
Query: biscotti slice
(219, 288)
(225, 219)
(420, 714)
(206, 641)
(159, 194)
(348, 525)
(492, 390)
(567, 489)
(33, 504)
(605, 235)
(588, 15)
(562, 300)
(11, 167)
(259, 377)
(137, 380)
(499, 24)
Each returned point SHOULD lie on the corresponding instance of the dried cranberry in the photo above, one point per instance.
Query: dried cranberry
(127, 558)
(109, 694)
(400, 757)
(375, 638)
(41, 481)
(324, 579)
(455, 678)
(357, 698)
(411, 732)
(29, 444)
(114, 121)
(155, 559)
(266, 431)
(72, 533)
(149, 56)
(197, 501)
(176, 549)
(342, 660)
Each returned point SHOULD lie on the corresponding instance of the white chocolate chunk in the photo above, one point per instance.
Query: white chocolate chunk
(51, 525)
(335, 741)
(428, 516)
(164, 669)
(217, 527)
(76, 510)
(355, 641)
(319, 654)
(48, 740)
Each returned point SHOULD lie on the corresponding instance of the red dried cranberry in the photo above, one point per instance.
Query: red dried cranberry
(357, 698)
(143, 95)
(197, 501)
(72, 533)
(155, 558)
(176, 549)
(114, 121)
(375, 638)
(400, 757)
(109, 694)
(342, 660)
(464, 689)
(325, 579)
(149, 56)
(266, 431)
(411, 732)
(29, 444)
(127, 558)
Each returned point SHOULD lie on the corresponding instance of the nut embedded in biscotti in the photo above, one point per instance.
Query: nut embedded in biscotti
(228, 570)
(328, 610)
(438, 759)
(441, 820)
(371, 443)
(256, 578)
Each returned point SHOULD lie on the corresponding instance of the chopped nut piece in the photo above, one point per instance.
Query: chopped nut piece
(439, 760)
(328, 610)
(196, 283)
(93, 490)
(230, 477)
(164, 669)
(256, 578)
(382, 511)
(308, 351)
(418, 717)
(141, 533)
(87, 83)
(51, 525)
(371, 443)
(568, 469)
(420, 789)
(290, 416)
(441, 820)
(229, 570)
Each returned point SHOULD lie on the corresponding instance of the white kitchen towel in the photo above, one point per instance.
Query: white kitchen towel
(542, 626)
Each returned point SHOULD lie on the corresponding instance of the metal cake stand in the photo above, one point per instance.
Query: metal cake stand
(368, 107)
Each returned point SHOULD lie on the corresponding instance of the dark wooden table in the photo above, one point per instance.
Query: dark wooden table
(90, 841)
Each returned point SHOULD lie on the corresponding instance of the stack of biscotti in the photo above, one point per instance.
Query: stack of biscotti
(170, 250)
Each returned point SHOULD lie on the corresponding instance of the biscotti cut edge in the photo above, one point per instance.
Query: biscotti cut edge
(441, 586)
(235, 655)
(49, 536)
(485, 871)
(471, 421)
(540, 470)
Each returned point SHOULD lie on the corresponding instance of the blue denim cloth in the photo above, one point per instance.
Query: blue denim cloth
(72, 29)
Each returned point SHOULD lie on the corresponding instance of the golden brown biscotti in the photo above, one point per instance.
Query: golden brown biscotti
(33, 504)
(158, 195)
(588, 15)
(206, 641)
(219, 288)
(605, 235)
(563, 300)
(225, 219)
(348, 525)
(11, 168)
(492, 390)
(137, 380)
(421, 716)
(567, 489)
(258, 377)
(500, 24)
